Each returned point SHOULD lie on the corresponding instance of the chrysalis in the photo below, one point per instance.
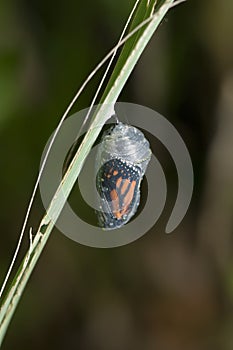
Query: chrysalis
(122, 159)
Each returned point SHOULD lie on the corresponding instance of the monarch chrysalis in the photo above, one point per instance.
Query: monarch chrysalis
(122, 159)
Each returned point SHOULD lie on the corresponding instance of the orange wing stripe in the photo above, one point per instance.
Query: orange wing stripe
(125, 186)
(115, 202)
(118, 182)
(128, 197)
(113, 195)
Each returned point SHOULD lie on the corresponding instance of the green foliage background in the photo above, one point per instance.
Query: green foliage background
(162, 291)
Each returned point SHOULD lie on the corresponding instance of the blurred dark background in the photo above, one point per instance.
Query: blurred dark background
(162, 291)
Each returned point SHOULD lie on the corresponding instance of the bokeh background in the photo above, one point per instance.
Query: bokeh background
(162, 291)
